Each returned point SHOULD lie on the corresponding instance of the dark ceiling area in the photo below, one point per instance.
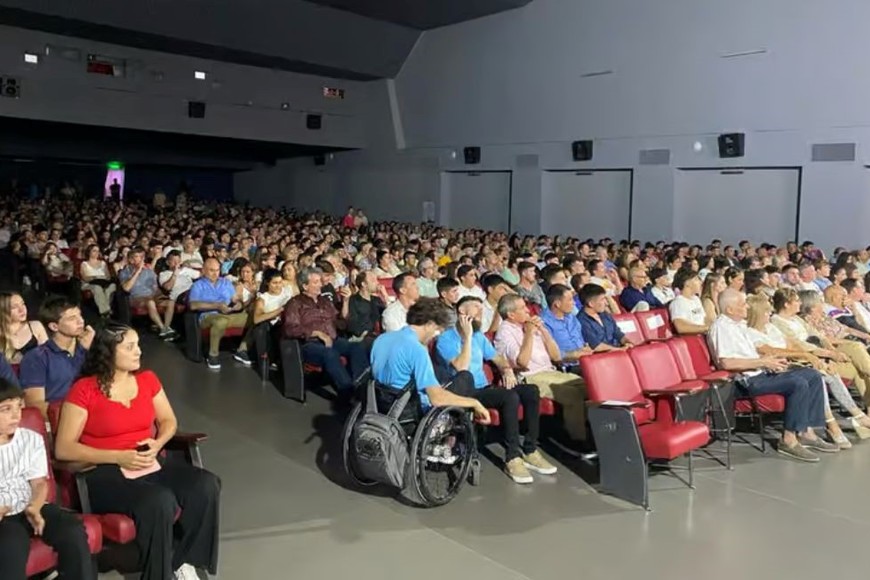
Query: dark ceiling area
(29, 139)
(349, 39)
(423, 14)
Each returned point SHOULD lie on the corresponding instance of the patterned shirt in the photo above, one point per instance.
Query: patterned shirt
(21, 460)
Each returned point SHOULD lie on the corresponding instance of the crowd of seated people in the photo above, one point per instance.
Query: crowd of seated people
(530, 306)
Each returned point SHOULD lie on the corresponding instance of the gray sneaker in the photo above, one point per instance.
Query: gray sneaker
(819, 444)
(213, 362)
(797, 451)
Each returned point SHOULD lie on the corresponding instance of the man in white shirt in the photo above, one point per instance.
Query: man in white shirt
(467, 276)
(176, 280)
(733, 350)
(495, 287)
(854, 300)
(190, 257)
(807, 273)
(686, 310)
(407, 294)
(24, 512)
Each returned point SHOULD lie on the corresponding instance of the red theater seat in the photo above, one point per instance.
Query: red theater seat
(116, 528)
(42, 558)
(627, 323)
(654, 324)
(627, 432)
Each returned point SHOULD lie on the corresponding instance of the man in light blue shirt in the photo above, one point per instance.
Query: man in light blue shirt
(463, 350)
(219, 307)
(563, 325)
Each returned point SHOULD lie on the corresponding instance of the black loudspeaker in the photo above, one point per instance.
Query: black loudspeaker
(731, 145)
(314, 122)
(10, 87)
(319, 160)
(581, 150)
(472, 155)
(196, 109)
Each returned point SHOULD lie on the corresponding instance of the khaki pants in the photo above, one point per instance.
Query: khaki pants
(859, 358)
(570, 392)
(218, 324)
(102, 296)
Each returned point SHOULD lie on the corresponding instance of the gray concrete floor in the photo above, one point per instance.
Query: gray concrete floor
(287, 513)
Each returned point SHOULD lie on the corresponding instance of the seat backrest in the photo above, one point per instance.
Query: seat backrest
(387, 283)
(534, 309)
(654, 324)
(32, 419)
(610, 376)
(699, 354)
(655, 366)
(627, 323)
(680, 352)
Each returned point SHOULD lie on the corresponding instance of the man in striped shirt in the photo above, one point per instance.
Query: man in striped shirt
(23, 494)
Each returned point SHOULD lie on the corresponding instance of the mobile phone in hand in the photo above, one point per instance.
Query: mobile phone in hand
(142, 448)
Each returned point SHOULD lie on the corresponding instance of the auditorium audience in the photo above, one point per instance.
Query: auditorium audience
(97, 279)
(734, 351)
(219, 307)
(662, 285)
(686, 310)
(714, 284)
(563, 325)
(366, 306)
(639, 295)
(107, 421)
(599, 328)
(140, 283)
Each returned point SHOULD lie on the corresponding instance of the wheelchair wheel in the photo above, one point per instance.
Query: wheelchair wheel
(438, 482)
(347, 456)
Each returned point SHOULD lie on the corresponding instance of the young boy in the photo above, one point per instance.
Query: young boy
(23, 493)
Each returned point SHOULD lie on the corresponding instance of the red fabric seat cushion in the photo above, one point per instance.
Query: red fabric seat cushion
(117, 528)
(314, 369)
(764, 403)
(670, 440)
(42, 558)
(547, 407)
(716, 376)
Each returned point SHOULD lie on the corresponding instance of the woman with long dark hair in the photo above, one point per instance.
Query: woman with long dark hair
(108, 420)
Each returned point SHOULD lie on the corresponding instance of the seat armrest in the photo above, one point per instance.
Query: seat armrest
(674, 392)
(618, 404)
(181, 438)
(187, 444)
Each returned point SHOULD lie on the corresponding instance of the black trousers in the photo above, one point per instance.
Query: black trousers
(152, 501)
(63, 531)
(507, 402)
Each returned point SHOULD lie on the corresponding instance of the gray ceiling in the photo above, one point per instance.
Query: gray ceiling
(353, 39)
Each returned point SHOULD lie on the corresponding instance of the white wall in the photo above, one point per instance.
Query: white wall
(61, 90)
(512, 83)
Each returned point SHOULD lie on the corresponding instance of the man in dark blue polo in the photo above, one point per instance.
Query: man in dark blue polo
(599, 328)
(47, 372)
(638, 296)
(563, 325)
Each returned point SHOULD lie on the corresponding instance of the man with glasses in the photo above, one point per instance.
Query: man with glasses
(638, 295)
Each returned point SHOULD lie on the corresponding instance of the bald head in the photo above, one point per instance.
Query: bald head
(732, 303)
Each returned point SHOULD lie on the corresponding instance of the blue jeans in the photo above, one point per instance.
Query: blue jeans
(804, 394)
(356, 353)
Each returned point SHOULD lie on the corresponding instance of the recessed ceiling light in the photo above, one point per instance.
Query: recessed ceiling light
(199, 75)
(31, 58)
(285, 106)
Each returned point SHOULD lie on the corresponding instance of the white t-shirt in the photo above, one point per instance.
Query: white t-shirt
(395, 317)
(486, 316)
(475, 291)
(729, 338)
(771, 336)
(21, 460)
(274, 301)
(183, 280)
(689, 309)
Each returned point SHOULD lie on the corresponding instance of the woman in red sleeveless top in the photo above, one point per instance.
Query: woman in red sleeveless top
(108, 420)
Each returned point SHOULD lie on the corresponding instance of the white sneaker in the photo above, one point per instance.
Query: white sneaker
(186, 572)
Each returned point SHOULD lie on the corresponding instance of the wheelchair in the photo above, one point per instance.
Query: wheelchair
(431, 480)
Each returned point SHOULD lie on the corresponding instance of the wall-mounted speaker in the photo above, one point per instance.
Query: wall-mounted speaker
(581, 150)
(472, 155)
(196, 109)
(731, 144)
(319, 160)
(314, 122)
(10, 87)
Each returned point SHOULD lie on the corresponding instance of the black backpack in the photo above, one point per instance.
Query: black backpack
(379, 445)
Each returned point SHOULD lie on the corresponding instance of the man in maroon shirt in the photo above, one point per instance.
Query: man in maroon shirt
(314, 320)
